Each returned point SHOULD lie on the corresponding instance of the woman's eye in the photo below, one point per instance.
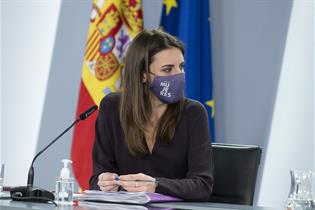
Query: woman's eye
(167, 70)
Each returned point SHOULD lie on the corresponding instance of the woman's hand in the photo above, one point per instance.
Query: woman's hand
(107, 182)
(137, 183)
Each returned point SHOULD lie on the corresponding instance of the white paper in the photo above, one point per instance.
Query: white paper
(115, 197)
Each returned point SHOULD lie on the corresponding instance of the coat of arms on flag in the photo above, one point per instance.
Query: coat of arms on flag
(113, 24)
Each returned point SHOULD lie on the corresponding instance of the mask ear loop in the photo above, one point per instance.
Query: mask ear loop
(152, 73)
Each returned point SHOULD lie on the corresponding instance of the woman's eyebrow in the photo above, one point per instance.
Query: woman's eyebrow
(167, 65)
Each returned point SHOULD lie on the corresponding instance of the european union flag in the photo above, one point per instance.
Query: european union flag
(189, 21)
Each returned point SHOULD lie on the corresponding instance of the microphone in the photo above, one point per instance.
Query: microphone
(36, 194)
(88, 112)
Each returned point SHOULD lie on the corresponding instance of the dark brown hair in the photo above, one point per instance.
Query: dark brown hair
(135, 105)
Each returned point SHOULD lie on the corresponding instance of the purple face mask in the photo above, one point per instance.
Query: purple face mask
(168, 89)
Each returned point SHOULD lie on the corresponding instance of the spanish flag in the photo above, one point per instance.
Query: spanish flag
(113, 24)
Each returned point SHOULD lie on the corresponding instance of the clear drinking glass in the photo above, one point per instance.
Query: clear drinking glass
(1, 178)
(301, 196)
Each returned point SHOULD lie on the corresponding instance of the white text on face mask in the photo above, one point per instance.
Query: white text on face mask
(164, 91)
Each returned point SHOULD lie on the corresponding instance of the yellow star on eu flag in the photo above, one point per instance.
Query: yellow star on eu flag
(211, 104)
(169, 4)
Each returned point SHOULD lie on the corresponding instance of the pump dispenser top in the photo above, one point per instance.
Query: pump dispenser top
(65, 172)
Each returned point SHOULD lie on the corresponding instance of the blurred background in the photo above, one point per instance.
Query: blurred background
(262, 54)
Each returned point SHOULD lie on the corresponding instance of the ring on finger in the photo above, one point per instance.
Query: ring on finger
(136, 185)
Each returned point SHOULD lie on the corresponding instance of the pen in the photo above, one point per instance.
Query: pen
(150, 181)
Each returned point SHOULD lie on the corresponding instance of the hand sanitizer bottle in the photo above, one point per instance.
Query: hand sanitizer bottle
(64, 185)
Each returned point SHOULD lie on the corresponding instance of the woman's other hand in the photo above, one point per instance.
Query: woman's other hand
(137, 183)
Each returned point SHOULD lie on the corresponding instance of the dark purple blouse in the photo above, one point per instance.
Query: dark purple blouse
(183, 168)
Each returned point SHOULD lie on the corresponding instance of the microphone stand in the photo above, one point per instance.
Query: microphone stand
(36, 194)
(30, 177)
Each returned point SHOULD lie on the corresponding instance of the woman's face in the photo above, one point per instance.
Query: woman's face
(167, 62)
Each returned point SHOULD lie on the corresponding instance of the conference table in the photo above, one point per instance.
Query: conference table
(8, 204)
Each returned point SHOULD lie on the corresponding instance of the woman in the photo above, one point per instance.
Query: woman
(150, 132)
